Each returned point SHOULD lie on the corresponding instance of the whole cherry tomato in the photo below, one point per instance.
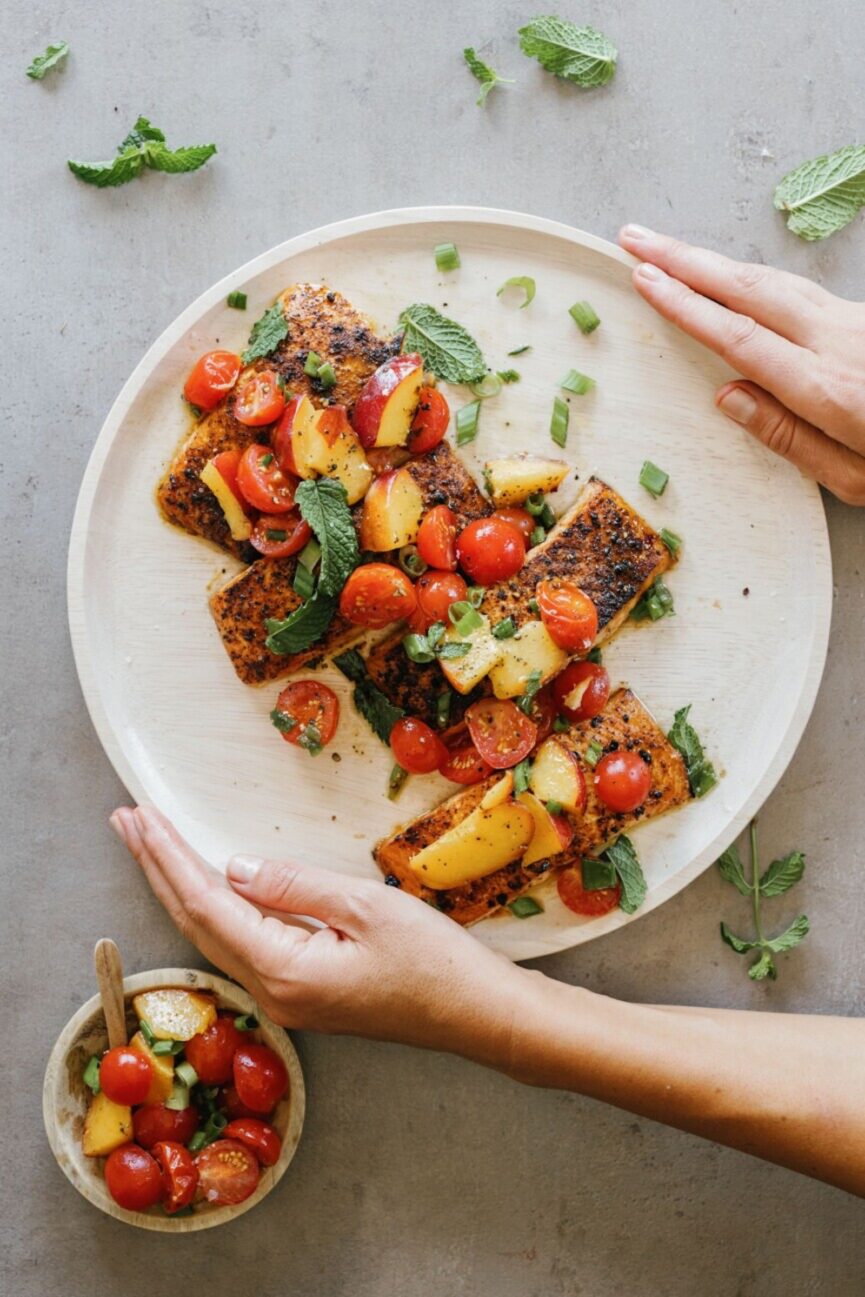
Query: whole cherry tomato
(437, 538)
(280, 535)
(599, 901)
(233, 1107)
(519, 518)
(212, 376)
(377, 594)
(153, 1123)
(259, 1077)
(179, 1174)
(259, 400)
(490, 550)
(258, 1136)
(416, 746)
(262, 482)
(211, 1051)
(307, 703)
(133, 1178)
(125, 1075)
(581, 690)
(227, 1172)
(430, 423)
(568, 614)
(622, 780)
(435, 592)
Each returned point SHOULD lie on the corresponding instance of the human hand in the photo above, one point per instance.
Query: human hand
(385, 965)
(801, 348)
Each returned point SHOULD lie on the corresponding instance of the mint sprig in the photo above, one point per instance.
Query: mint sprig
(482, 72)
(822, 196)
(446, 347)
(54, 55)
(578, 54)
(778, 878)
(266, 334)
(686, 741)
(143, 147)
(376, 708)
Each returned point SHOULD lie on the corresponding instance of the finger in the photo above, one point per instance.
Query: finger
(836, 466)
(789, 304)
(789, 371)
(300, 889)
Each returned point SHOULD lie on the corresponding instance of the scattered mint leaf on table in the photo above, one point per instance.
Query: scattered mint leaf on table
(176, 161)
(372, 704)
(778, 878)
(446, 347)
(143, 132)
(144, 146)
(487, 76)
(782, 874)
(125, 167)
(579, 54)
(266, 334)
(54, 55)
(822, 196)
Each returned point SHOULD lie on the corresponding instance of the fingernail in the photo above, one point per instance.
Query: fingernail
(242, 869)
(116, 822)
(738, 404)
(648, 271)
(637, 232)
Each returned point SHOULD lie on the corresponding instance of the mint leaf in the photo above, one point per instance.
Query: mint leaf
(730, 866)
(322, 503)
(43, 63)
(763, 968)
(144, 146)
(579, 54)
(686, 741)
(372, 704)
(119, 171)
(142, 133)
(446, 347)
(487, 76)
(622, 856)
(822, 196)
(175, 161)
(782, 874)
(267, 333)
(797, 931)
(739, 944)
(301, 628)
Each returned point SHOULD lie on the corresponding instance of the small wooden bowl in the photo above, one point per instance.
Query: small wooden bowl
(65, 1096)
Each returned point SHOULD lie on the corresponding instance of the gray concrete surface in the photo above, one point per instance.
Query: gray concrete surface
(417, 1174)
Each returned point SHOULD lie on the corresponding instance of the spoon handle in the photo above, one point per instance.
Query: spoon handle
(109, 975)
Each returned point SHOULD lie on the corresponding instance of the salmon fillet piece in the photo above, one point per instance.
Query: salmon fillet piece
(415, 686)
(625, 724)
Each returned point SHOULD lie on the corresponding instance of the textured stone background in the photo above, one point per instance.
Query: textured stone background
(417, 1174)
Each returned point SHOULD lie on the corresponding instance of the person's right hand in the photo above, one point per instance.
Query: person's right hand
(801, 349)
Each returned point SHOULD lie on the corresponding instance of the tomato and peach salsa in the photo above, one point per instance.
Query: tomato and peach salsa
(182, 1114)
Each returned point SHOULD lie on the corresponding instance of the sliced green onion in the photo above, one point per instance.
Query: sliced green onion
(489, 385)
(396, 779)
(283, 722)
(276, 533)
(266, 460)
(554, 807)
(475, 595)
(593, 754)
(167, 1047)
(246, 1022)
(304, 581)
(283, 386)
(90, 1076)
(560, 725)
(443, 709)
(310, 554)
(538, 534)
(597, 873)
(467, 422)
(505, 629)
(584, 316)
(186, 1074)
(535, 504)
(147, 1031)
(526, 700)
(312, 364)
(417, 649)
(576, 382)
(198, 1141)
(464, 618)
(521, 774)
(533, 606)
(411, 562)
(326, 376)
(310, 739)
(654, 479)
(237, 301)
(195, 410)
(547, 517)
(520, 351)
(656, 603)
(454, 649)
(178, 1100)
(559, 421)
(525, 907)
(671, 540)
(436, 634)
(447, 257)
(525, 282)
(509, 375)
(595, 654)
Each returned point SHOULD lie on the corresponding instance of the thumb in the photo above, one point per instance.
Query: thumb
(286, 888)
(817, 455)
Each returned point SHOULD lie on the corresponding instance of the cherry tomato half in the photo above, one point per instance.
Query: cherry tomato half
(259, 1077)
(437, 538)
(377, 594)
(212, 376)
(179, 1174)
(581, 690)
(281, 534)
(258, 1136)
(233, 1107)
(308, 703)
(490, 550)
(133, 1178)
(464, 765)
(226, 464)
(435, 592)
(416, 746)
(281, 441)
(568, 614)
(501, 732)
(227, 1172)
(519, 518)
(262, 482)
(543, 713)
(125, 1075)
(153, 1123)
(211, 1052)
(259, 400)
(622, 780)
(430, 424)
(570, 888)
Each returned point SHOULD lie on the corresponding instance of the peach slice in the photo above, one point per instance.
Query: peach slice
(239, 525)
(486, 840)
(308, 446)
(557, 776)
(388, 402)
(392, 512)
(342, 456)
(546, 839)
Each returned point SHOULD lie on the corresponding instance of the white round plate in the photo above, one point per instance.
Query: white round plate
(752, 590)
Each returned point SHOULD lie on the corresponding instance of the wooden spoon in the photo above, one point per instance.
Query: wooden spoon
(109, 975)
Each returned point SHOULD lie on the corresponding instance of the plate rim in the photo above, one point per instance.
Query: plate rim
(211, 297)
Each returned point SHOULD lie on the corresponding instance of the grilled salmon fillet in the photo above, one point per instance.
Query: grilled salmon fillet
(319, 320)
(415, 686)
(623, 724)
(603, 545)
(266, 588)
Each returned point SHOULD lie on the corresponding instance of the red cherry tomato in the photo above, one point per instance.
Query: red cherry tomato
(281, 534)
(437, 538)
(430, 423)
(502, 734)
(568, 614)
(125, 1075)
(377, 594)
(565, 830)
(154, 1123)
(519, 518)
(211, 1051)
(259, 1077)
(280, 438)
(233, 1107)
(543, 713)
(259, 400)
(262, 482)
(490, 550)
(622, 780)
(570, 887)
(258, 1136)
(435, 592)
(581, 690)
(133, 1178)
(226, 464)
(179, 1174)
(212, 376)
(416, 746)
(463, 763)
(227, 1172)
(308, 703)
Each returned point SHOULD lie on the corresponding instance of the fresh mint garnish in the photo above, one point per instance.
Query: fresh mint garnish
(54, 55)
(266, 334)
(372, 704)
(822, 196)
(778, 878)
(446, 347)
(579, 54)
(487, 76)
(144, 146)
